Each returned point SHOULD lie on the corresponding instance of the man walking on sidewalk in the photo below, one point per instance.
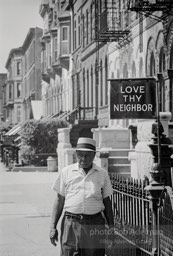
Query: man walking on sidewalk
(83, 191)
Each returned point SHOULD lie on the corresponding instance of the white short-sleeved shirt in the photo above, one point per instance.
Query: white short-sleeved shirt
(83, 192)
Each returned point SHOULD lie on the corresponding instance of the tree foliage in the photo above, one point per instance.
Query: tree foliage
(39, 138)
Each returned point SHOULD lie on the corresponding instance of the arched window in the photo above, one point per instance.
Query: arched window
(118, 73)
(92, 88)
(152, 64)
(83, 87)
(87, 92)
(171, 83)
(133, 70)
(106, 82)
(141, 74)
(125, 71)
(101, 84)
(171, 57)
(96, 87)
(162, 60)
(162, 67)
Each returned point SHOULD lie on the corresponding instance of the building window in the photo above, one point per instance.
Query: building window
(78, 90)
(91, 21)
(18, 90)
(133, 70)
(10, 92)
(87, 93)
(171, 83)
(92, 91)
(55, 42)
(83, 29)
(48, 55)
(106, 82)
(125, 71)
(18, 114)
(79, 35)
(18, 68)
(101, 84)
(87, 25)
(65, 40)
(96, 86)
(83, 87)
(162, 67)
(75, 35)
(141, 74)
(64, 33)
(152, 64)
(162, 60)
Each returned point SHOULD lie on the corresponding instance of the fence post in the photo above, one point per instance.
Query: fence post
(155, 189)
(158, 173)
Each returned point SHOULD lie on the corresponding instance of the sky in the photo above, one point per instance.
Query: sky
(16, 18)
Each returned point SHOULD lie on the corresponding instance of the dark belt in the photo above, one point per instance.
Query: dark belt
(82, 216)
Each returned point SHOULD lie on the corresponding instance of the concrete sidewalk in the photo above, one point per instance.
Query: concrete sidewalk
(26, 201)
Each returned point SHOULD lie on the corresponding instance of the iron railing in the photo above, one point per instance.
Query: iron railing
(166, 223)
(80, 113)
(132, 217)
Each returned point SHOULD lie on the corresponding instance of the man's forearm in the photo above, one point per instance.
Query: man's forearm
(108, 211)
(57, 211)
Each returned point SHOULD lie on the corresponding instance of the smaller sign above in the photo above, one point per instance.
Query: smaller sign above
(133, 98)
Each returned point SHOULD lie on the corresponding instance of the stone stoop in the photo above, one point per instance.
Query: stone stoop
(119, 163)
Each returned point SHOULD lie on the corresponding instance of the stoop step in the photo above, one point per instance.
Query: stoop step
(118, 160)
(120, 152)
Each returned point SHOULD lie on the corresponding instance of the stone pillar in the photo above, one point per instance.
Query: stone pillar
(108, 139)
(63, 145)
(112, 138)
(133, 166)
(95, 132)
(69, 155)
(102, 159)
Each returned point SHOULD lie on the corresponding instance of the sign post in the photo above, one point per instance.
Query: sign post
(133, 98)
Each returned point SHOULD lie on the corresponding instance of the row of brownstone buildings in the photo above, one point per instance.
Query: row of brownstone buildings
(63, 70)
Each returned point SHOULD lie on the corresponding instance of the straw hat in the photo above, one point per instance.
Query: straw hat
(86, 144)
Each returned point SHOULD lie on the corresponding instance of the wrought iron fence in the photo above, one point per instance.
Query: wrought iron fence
(133, 222)
(132, 217)
(81, 113)
(166, 223)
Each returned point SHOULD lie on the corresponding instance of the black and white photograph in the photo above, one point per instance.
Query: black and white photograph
(86, 128)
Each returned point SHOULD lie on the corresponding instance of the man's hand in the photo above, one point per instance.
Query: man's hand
(54, 236)
(56, 214)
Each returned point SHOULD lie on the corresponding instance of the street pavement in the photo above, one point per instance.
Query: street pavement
(26, 201)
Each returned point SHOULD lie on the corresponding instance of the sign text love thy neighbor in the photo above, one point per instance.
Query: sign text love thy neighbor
(133, 98)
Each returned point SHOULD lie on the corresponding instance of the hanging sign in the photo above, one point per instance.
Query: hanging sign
(133, 98)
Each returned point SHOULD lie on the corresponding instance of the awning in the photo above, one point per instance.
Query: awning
(18, 138)
(36, 109)
(46, 117)
(19, 144)
(16, 129)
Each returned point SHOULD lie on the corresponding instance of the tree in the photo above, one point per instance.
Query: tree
(39, 139)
